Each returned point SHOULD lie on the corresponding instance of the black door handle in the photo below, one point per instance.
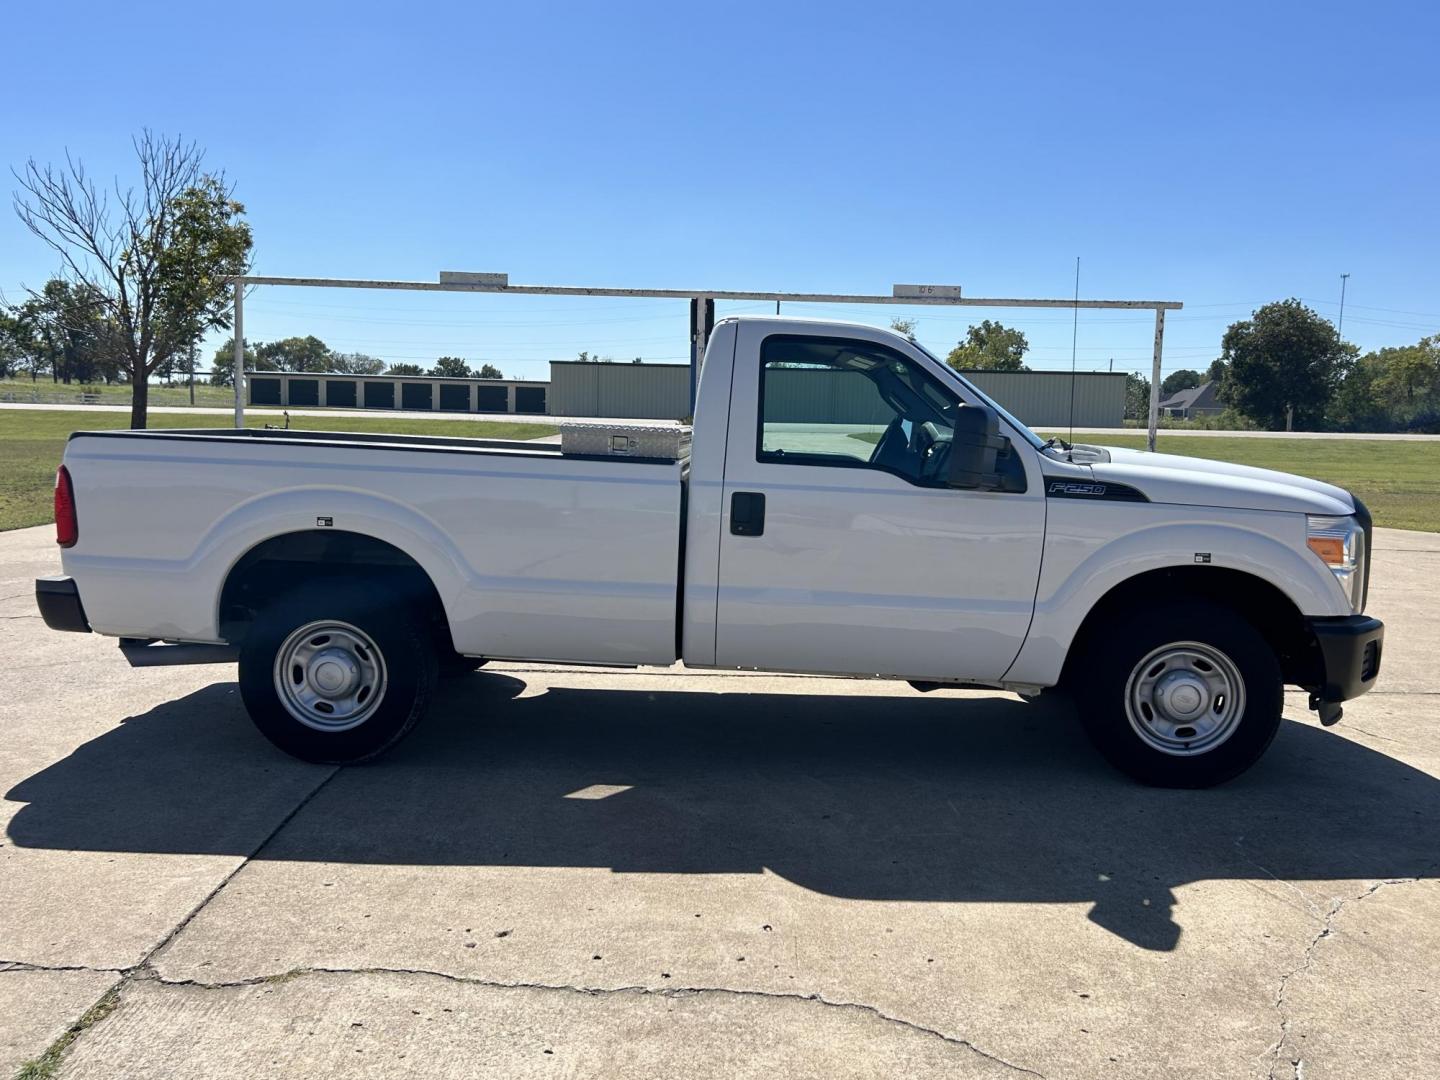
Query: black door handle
(747, 513)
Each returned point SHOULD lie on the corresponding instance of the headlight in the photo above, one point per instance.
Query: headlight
(1339, 542)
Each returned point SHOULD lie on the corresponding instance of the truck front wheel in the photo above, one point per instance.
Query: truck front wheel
(333, 676)
(1185, 696)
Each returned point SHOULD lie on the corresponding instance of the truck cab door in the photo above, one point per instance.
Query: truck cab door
(842, 548)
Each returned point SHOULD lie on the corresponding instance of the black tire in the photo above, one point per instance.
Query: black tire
(1101, 683)
(406, 656)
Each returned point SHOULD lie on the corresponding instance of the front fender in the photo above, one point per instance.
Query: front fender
(1085, 560)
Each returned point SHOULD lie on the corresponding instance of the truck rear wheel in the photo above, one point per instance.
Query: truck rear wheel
(1189, 696)
(334, 675)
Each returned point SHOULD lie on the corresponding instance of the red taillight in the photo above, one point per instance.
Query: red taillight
(67, 528)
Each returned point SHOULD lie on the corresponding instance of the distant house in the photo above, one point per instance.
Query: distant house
(1188, 404)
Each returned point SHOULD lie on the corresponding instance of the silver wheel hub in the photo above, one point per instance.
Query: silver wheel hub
(1185, 698)
(330, 675)
(1181, 694)
(333, 672)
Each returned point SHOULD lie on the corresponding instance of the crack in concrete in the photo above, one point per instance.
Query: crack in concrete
(1304, 897)
(186, 921)
(25, 965)
(1363, 731)
(598, 991)
(1327, 929)
(142, 970)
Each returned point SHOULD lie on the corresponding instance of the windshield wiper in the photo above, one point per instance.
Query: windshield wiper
(1055, 440)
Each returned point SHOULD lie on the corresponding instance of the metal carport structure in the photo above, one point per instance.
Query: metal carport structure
(702, 309)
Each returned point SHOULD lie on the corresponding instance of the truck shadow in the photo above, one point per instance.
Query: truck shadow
(875, 798)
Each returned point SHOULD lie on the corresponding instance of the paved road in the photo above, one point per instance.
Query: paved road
(581, 872)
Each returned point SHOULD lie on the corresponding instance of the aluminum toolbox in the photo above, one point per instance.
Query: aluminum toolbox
(663, 442)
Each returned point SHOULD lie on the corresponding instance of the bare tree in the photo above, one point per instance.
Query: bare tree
(158, 257)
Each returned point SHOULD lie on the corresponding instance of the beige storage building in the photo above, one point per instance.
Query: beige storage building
(662, 391)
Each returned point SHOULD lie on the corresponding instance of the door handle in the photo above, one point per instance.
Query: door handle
(747, 513)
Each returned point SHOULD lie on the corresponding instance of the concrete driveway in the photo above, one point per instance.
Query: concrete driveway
(576, 872)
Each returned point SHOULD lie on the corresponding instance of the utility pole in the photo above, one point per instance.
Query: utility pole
(1340, 324)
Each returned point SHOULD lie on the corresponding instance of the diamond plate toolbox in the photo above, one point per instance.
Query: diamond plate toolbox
(662, 442)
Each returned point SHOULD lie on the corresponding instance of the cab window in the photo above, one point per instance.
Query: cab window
(847, 403)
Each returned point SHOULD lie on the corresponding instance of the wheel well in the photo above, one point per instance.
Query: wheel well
(1263, 605)
(279, 565)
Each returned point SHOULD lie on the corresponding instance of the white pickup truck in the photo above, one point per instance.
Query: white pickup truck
(849, 506)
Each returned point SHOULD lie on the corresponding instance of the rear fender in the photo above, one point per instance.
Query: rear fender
(309, 509)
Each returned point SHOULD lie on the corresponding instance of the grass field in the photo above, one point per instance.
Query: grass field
(46, 392)
(31, 443)
(1399, 481)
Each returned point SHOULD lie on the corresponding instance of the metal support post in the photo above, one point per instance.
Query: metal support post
(702, 324)
(239, 354)
(1155, 377)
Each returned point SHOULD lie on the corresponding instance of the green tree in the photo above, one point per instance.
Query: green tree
(24, 349)
(1283, 366)
(9, 358)
(356, 363)
(1216, 374)
(1137, 396)
(990, 346)
(451, 367)
(1357, 406)
(593, 358)
(62, 329)
(210, 245)
(1393, 389)
(489, 371)
(222, 367)
(308, 354)
(1184, 379)
(156, 257)
(404, 369)
(904, 327)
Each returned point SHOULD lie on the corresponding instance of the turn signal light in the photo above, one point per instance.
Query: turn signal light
(1331, 549)
(67, 527)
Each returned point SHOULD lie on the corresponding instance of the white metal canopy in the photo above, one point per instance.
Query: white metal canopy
(702, 309)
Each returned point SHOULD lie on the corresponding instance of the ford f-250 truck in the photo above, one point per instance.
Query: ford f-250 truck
(848, 505)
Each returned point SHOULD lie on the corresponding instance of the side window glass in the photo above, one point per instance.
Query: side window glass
(852, 404)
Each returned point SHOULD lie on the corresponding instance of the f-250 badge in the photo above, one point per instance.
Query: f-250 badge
(1066, 487)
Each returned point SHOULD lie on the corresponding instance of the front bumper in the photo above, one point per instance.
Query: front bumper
(59, 603)
(1350, 648)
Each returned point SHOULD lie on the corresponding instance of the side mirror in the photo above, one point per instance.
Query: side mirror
(975, 447)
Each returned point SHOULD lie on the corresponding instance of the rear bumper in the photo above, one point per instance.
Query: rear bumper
(1350, 647)
(59, 603)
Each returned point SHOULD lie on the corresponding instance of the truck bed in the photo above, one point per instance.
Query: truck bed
(535, 554)
(438, 442)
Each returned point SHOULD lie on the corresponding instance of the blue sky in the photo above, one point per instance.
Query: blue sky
(1224, 155)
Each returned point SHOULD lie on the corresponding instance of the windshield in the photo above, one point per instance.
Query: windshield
(1030, 437)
